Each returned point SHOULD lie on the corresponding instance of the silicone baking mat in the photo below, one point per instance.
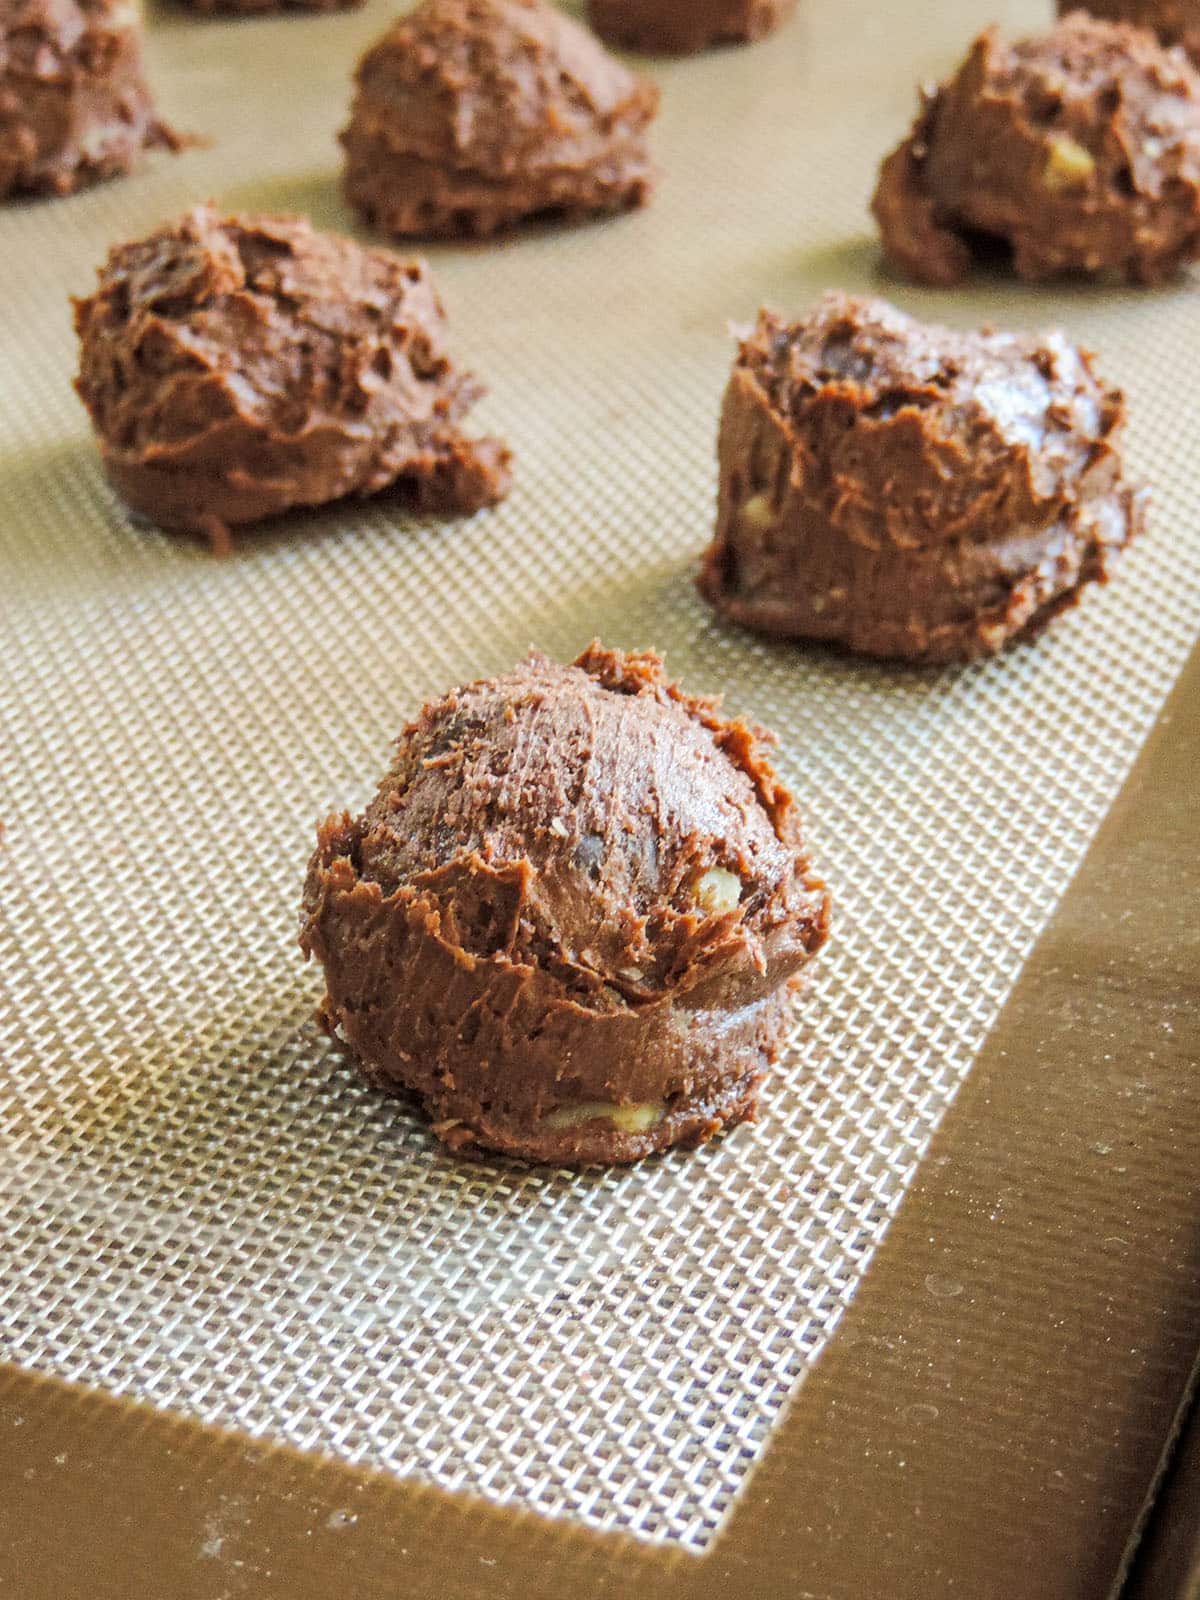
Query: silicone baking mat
(200, 1205)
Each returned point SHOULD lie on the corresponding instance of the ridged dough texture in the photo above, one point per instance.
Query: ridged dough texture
(910, 491)
(472, 115)
(1073, 153)
(1174, 21)
(74, 105)
(569, 920)
(236, 367)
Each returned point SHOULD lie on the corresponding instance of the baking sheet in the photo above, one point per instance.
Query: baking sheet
(200, 1205)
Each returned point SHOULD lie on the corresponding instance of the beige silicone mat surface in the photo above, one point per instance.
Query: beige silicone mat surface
(199, 1203)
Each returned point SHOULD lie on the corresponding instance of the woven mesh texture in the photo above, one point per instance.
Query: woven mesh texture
(200, 1205)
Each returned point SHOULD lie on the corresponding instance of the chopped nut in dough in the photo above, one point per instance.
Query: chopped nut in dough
(1068, 165)
(718, 891)
(629, 1119)
(758, 512)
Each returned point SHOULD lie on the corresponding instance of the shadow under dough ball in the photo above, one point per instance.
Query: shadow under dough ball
(1077, 152)
(74, 106)
(570, 918)
(258, 8)
(683, 27)
(472, 115)
(1174, 21)
(235, 367)
(909, 491)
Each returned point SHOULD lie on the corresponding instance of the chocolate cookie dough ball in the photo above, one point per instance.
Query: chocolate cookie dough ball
(1078, 152)
(909, 491)
(473, 115)
(1174, 21)
(570, 918)
(681, 27)
(74, 106)
(235, 367)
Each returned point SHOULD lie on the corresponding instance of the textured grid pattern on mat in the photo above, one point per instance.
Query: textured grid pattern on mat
(199, 1204)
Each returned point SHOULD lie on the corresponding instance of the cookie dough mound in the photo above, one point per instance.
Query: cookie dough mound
(1077, 151)
(912, 492)
(570, 918)
(1174, 21)
(74, 106)
(238, 366)
(473, 115)
(682, 27)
